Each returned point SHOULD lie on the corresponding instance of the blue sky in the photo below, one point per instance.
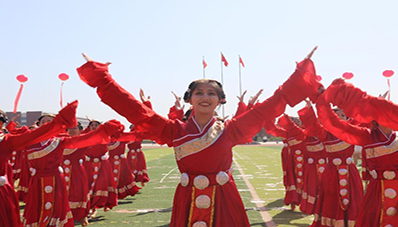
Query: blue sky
(158, 46)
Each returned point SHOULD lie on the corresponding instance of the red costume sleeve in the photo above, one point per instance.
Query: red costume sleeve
(273, 129)
(65, 119)
(361, 106)
(291, 127)
(103, 135)
(111, 93)
(241, 109)
(175, 113)
(12, 128)
(148, 104)
(341, 129)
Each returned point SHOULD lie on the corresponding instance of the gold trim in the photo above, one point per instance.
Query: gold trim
(213, 198)
(192, 206)
(76, 205)
(294, 142)
(337, 147)
(41, 153)
(68, 151)
(113, 146)
(381, 150)
(198, 144)
(315, 148)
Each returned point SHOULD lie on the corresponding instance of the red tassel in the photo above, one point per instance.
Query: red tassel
(61, 95)
(17, 98)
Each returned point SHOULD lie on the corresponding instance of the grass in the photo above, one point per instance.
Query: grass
(152, 205)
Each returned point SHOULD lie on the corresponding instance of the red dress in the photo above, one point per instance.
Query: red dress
(291, 195)
(205, 196)
(9, 207)
(102, 186)
(341, 193)
(76, 182)
(47, 200)
(380, 151)
(125, 181)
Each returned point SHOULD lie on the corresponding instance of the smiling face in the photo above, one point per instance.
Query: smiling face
(204, 99)
(75, 131)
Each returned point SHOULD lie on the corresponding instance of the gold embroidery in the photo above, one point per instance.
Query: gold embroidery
(315, 148)
(68, 151)
(112, 147)
(294, 142)
(201, 143)
(381, 150)
(39, 154)
(337, 147)
(75, 205)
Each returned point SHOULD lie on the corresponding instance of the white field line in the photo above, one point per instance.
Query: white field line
(264, 214)
(164, 177)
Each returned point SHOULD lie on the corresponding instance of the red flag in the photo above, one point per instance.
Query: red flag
(241, 61)
(223, 59)
(204, 64)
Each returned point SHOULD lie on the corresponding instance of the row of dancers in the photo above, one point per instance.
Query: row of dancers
(207, 194)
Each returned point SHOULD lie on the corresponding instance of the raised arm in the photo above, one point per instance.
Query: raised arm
(275, 130)
(103, 135)
(111, 93)
(65, 119)
(291, 127)
(176, 111)
(341, 129)
(361, 106)
(241, 104)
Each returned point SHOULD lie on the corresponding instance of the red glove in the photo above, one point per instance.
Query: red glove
(67, 116)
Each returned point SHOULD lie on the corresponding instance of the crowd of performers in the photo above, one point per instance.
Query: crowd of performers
(65, 176)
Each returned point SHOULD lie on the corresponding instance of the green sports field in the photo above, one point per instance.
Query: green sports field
(152, 206)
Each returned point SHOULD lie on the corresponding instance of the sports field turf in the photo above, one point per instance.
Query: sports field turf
(152, 205)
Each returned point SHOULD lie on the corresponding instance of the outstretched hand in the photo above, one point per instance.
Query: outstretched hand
(143, 97)
(177, 102)
(242, 97)
(254, 98)
(88, 59)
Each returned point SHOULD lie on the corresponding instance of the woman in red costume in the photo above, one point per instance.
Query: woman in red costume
(122, 175)
(76, 179)
(341, 191)
(205, 196)
(47, 200)
(9, 208)
(101, 184)
(380, 148)
(313, 151)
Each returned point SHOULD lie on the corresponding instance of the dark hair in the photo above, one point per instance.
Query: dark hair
(187, 114)
(94, 121)
(337, 109)
(3, 117)
(217, 85)
(43, 116)
(79, 126)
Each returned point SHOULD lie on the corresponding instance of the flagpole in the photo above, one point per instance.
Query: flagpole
(204, 74)
(222, 82)
(240, 78)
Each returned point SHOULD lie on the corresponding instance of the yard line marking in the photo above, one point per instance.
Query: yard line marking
(167, 174)
(260, 205)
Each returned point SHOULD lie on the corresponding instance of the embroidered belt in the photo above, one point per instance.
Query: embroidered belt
(384, 174)
(203, 181)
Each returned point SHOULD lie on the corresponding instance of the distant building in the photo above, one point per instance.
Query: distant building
(29, 118)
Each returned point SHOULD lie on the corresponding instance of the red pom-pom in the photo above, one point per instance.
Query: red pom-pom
(22, 78)
(348, 75)
(63, 76)
(318, 78)
(388, 73)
